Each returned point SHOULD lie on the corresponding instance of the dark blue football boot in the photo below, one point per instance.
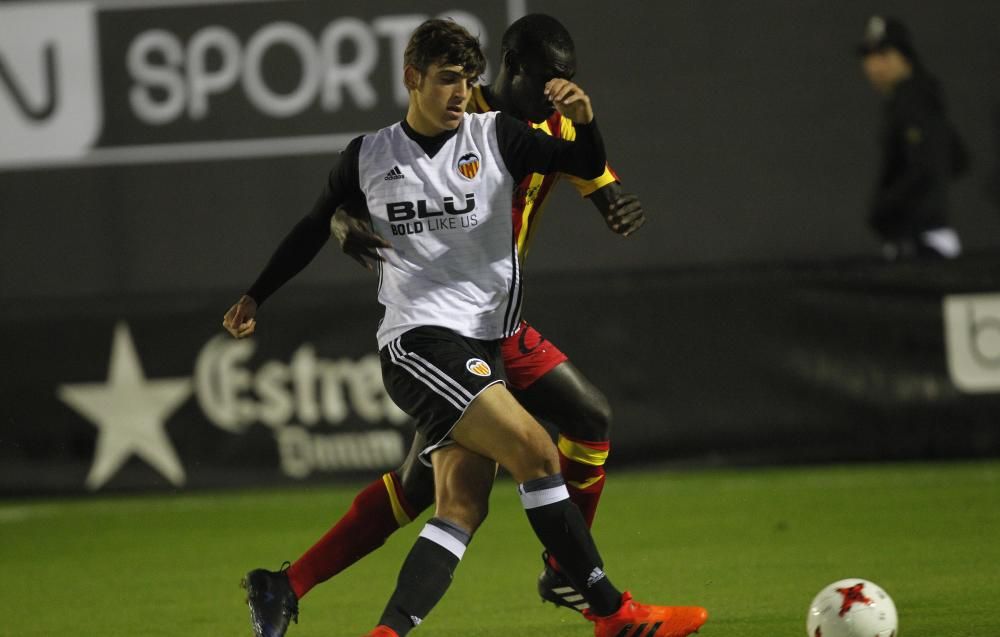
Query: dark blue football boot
(272, 602)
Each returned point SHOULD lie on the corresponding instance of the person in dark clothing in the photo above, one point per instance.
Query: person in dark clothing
(921, 151)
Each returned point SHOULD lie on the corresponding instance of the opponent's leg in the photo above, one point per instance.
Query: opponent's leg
(384, 506)
(580, 412)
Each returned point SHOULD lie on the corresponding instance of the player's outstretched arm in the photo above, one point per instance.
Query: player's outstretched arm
(301, 245)
(621, 210)
(239, 320)
(292, 255)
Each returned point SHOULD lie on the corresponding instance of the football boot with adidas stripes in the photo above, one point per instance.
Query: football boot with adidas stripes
(642, 620)
(555, 587)
(272, 601)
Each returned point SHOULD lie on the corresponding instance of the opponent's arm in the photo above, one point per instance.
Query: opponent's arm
(300, 246)
(356, 238)
(621, 210)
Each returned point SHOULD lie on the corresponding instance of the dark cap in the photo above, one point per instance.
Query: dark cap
(883, 32)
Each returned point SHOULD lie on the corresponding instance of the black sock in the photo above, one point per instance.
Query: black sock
(560, 526)
(426, 575)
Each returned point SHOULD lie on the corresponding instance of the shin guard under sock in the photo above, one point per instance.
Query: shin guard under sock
(426, 575)
(558, 524)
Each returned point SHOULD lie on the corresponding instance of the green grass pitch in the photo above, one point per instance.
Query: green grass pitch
(753, 546)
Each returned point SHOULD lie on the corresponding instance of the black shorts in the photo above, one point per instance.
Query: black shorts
(433, 374)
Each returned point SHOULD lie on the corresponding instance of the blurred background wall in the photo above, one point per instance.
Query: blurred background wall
(747, 129)
(152, 154)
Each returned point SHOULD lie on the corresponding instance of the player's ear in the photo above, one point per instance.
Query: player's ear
(411, 77)
(510, 60)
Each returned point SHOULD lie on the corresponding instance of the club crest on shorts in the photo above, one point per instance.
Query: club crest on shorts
(478, 366)
(468, 165)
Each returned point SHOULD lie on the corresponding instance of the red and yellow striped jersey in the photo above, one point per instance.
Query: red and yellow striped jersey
(530, 195)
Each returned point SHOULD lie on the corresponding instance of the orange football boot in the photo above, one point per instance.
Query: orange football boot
(381, 631)
(643, 620)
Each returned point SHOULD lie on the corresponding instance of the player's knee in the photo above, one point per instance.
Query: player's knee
(593, 421)
(537, 456)
(467, 513)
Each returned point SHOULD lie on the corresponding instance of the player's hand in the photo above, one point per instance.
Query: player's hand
(239, 320)
(356, 239)
(625, 214)
(570, 100)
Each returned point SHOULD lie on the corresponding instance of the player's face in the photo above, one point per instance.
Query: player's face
(529, 78)
(884, 69)
(440, 95)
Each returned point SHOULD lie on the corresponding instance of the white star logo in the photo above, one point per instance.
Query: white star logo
(130, 413)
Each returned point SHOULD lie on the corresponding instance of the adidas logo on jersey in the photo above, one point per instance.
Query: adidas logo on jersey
(395, 173)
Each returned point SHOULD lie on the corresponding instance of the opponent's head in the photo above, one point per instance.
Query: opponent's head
(887, 53)
(535, 49)
(441, 63)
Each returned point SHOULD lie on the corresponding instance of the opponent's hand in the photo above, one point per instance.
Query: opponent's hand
(625, 214)
(570, 100)
(239, 320)
(356, 239)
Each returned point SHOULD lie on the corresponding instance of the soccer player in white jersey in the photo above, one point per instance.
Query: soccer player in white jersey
(534, 49)
(439, 183)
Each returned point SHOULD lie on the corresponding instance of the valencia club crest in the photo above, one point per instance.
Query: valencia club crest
(478, 366)
(468, 165)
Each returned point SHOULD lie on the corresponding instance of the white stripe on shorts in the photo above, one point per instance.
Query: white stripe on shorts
(431, 369)
(444, 539)
(543, 497)
(433, 383)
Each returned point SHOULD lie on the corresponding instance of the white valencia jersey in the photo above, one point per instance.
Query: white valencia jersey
(454, 260)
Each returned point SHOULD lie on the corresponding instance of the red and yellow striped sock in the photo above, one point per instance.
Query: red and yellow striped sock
(376, 513)
(582, 463)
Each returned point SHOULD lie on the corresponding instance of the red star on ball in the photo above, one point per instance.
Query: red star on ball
(852, 595)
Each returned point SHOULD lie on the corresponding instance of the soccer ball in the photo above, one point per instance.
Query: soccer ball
(852, 608)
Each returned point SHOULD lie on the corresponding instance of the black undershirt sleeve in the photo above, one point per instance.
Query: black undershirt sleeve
(528, 150)
(310, 234)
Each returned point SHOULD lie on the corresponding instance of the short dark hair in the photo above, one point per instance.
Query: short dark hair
(531, 34)
(439, 41)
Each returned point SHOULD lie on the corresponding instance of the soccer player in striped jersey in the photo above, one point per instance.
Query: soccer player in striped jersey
(449, 301)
